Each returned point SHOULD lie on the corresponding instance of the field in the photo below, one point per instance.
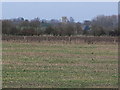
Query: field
(59, 65)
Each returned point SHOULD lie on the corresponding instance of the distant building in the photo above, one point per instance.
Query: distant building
(54, 21)
(86, 28)
(44, 21)
(87, 22)
(87, 25)
(71, 20)
(64, 19)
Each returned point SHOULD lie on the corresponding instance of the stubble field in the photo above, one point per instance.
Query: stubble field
(59, 65)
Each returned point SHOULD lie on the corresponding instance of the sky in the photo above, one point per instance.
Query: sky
(80, 11)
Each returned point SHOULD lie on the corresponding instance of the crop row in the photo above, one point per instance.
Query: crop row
(87, 39)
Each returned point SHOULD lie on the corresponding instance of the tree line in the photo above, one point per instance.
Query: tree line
(99, 26)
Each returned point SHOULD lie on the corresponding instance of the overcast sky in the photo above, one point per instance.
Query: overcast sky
(55, 10)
